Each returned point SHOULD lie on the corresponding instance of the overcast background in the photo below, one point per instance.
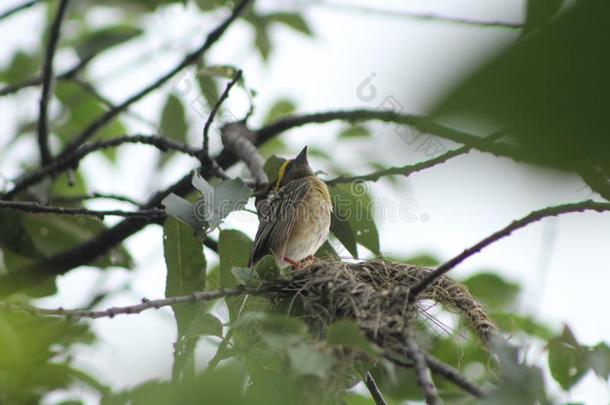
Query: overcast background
(562, 263)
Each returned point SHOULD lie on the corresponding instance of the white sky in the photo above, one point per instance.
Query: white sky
(461, 201)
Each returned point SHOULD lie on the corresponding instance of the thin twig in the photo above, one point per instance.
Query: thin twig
(532, 217)
(220, 351)
(206, 128)
(424, 17)
(47, 82)
(96, 196)
(407, 170)
(450, 373)
(72, 159)
(18, 8)
(136, 309)
(189, 59)
(36, 208)
(370, 383)
(422, 372)
(444, 370)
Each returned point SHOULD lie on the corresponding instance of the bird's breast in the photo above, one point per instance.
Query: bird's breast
(312, 224)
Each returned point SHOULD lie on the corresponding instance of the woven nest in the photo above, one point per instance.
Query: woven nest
(375, 294)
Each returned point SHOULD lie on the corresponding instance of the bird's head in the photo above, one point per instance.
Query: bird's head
(294, 169)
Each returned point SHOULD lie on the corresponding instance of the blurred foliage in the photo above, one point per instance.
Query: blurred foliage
(35, 356)
(173, 124)
(546, 88)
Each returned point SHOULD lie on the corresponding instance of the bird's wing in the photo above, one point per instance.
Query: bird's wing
(278, 220)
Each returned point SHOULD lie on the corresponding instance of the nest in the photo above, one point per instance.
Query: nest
(375, 294)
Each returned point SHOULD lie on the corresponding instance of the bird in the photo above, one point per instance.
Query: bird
(295, 222)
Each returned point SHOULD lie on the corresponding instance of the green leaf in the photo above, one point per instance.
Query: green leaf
(283, 107)
(549, 103)
(539, 12)
(351, 398)
(327, 252)
(292, 20)
(267, 268)
(23, 66)
(95, 42)
(494, 291)
(305, 360)
(173, 123)
(31, 364)
(66, 186)
(520, 383)
(205, 325)
(209, 5)
(245, 276)
(272, 168)
(599, 359)
(512, 323)
(184, 210)
(185, 268)
(13, 235)
(568, 360)
(423, 259)
(273, 323)
(208, 87)
(351, 201)
(52, 234)
(262, 41)
(343, 231)
(354, 131)
(234, 251)
(209, 211)
(224, 71)
(219, 201)
(80, 109)
(347, 333)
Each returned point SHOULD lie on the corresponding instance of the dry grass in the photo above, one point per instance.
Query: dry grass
(375, 295)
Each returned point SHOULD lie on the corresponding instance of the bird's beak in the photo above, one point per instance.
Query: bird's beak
(302, 157)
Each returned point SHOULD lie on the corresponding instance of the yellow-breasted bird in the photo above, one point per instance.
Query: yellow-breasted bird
(296, 221)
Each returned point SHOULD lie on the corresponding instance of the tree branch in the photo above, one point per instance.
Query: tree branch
(36, 208)
(47, 82)
(96, 196)
(72, 159)
(424, 17)
(407, 170)
(237, 138)
(420, 123)
(370, 383)
(90, 250)
(534, 216)
(444, 370)
(450, 373)
(189, 59)
(206, 128)
(136, 309)
(422, 372)
(18, 8)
